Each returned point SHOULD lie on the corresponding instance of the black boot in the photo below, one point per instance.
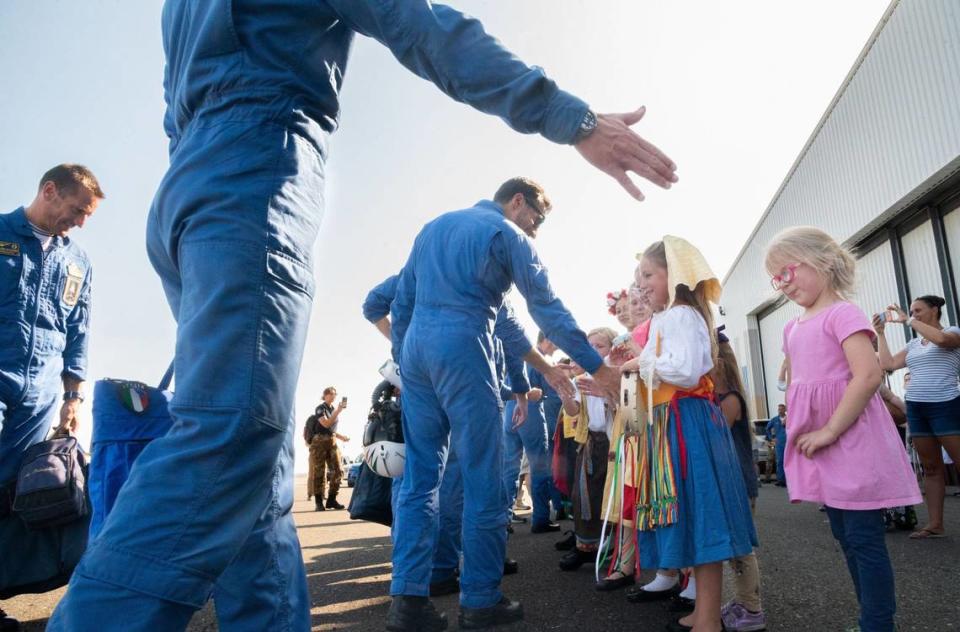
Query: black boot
(499, 614)
(510, 566)
(318, 500)
(332, 503)
(567, 543)
(576, 558)
(414, 614)
(8, 623)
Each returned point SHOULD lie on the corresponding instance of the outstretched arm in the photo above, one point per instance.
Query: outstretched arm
(456, 54)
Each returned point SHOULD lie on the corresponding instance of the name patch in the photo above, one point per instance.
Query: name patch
(9, 248)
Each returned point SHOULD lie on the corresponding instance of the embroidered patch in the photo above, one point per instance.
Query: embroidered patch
(9, 248)
(134, 396)
(71, 289)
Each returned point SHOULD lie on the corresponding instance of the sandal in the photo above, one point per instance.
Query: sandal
(926, 534)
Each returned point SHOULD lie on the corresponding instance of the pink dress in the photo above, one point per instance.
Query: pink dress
(867, 467)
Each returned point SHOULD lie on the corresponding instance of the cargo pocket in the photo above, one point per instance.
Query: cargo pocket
(282, 334)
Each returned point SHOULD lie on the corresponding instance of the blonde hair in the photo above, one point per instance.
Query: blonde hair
(683, 295)
(603, 331)
(817, 249)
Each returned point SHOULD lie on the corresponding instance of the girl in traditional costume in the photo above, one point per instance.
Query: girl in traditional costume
(592, 420)
(692, 508)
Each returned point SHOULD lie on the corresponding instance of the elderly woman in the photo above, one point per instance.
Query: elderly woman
(933, 397)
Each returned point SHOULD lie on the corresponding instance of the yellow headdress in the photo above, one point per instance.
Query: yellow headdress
(686, 266)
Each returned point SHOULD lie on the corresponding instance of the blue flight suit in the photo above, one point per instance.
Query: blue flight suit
(446, 557)
(552, 404)
(776, 431)
(44, 323)
(450, 289)
(530, 437)
(252, 93)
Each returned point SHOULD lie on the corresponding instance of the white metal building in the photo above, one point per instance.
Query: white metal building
(880, 173)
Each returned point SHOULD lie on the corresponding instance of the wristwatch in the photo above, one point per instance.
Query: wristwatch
(71, 395)
(587, 126)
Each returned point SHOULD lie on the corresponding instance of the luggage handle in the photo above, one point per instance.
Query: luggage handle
(167, 378)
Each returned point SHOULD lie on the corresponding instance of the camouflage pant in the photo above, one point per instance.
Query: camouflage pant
(324, 456)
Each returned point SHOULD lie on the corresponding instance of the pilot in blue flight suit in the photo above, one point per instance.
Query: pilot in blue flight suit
(450, 289)
(446, 557)
(45, 311)
(252, 95)
(44, 325)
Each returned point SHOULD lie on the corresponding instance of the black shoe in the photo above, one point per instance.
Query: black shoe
(548, 527)
(567, 543)
(510, 529)
(606, 584)
(8, 623)
(681, 604)
(576, 558)
(448, 586)
(676, 626)
(414, 614)
(479, 618)
(333, 504)
(638, 595)
(319, 505)
(511, 567)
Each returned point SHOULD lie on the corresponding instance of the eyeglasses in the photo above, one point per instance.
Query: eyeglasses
(786, 276)
(541, 216)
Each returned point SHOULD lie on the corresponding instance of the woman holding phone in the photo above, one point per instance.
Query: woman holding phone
(933, 397)
(320, 434)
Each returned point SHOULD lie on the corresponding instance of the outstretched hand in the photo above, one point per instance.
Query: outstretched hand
(557, 378)
(616, 150)
(605, 382)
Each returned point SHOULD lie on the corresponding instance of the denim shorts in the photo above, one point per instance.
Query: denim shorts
(934, 419)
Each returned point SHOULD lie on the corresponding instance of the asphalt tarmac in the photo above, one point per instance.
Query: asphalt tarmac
(805, 584)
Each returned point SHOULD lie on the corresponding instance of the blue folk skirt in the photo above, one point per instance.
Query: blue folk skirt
(712, 521)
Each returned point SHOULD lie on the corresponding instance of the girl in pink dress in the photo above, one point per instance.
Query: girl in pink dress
(843, 450)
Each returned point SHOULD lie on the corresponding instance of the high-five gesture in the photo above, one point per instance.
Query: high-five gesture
(617, 150)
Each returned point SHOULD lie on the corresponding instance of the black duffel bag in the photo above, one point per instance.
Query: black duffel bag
(371, 497)
(43, 532)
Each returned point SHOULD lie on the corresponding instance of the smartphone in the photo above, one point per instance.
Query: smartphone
(343, 399)
(890, 316)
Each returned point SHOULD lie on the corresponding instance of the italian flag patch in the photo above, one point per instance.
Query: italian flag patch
(134, 397)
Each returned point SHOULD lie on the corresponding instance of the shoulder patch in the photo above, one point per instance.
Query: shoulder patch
(9, 248)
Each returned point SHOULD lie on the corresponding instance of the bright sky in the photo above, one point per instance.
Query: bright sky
(733, 90)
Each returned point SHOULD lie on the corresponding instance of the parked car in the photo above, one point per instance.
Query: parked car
(353, 471)
(760, 445)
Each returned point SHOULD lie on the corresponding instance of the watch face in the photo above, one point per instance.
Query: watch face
(589, 122)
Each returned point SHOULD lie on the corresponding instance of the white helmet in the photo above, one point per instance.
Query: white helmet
(386, 458)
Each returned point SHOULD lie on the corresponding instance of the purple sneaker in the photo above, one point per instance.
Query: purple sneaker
(736, 618)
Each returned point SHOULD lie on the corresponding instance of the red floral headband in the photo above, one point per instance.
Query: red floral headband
(612, 299)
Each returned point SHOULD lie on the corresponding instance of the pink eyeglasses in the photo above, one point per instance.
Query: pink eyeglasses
(786, 276)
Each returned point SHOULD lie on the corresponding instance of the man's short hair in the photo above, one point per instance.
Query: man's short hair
(68, 178)
(329, 390)
(525, 187)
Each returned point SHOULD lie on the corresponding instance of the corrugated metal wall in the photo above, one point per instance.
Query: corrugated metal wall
(891, 133)
(877, 288)
(919, 255)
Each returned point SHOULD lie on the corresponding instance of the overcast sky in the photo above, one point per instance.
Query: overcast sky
(733, 90)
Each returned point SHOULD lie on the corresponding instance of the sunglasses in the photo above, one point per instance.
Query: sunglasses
(541, 216)
(786, 276)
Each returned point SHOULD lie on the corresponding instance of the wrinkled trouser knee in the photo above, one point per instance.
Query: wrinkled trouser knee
(450, 396)
(207, 508)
